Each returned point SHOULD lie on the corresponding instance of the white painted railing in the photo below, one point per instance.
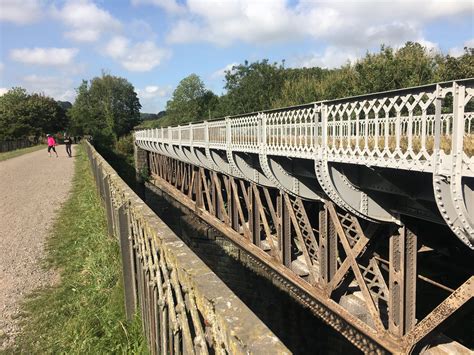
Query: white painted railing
(393, 129)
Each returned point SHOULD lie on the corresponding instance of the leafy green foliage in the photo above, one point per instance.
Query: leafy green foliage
(22, 115)
(106, 108)
(190, 102)
(84, 313)
(390, 69)
(452, 68)
(125, 144)
(410, 66)
(252, 87)
(151, 124)
(263, 85)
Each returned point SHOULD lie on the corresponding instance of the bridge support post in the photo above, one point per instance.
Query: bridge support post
(402, 281)
(254, 215)
(232, 203)
(327, 247)
(284, 230)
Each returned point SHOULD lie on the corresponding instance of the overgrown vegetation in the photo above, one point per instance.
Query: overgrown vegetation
(18, 152)
(263, 85)
(84, 313)
(120, 157)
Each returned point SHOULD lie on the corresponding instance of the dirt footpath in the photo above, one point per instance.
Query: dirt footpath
(32, 189)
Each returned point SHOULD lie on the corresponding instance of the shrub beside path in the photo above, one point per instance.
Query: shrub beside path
(32, 189)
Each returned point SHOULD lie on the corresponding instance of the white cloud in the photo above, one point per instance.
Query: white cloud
(3, 91)
(170, 6)
(144, 56)
(59, 88)
(20, 12)
(153, 98)
(153, 91)
(459, 51)
(2, 66)
(87, 21)
(430, 46)
(332, 57)
(117, 47)
(235, 20)
(220, 73)
(140, 29)
(342, 23)
(44, 56)
(139, 57)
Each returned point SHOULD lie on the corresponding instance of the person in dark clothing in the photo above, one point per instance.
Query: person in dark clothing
(68, 142)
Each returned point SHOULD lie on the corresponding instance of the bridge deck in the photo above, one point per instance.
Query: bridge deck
(427, 129)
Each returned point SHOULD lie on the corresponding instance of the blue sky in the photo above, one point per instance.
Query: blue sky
(50, 46)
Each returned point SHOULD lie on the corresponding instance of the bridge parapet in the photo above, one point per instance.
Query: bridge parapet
(421, 130)
(185, 307)
(397, 129)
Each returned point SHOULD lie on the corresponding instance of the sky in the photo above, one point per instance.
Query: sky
(50, 46)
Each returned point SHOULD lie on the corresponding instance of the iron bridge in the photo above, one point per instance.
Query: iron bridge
(333, 198)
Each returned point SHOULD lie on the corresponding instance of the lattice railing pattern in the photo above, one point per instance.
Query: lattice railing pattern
(244, 132)
(394, 129)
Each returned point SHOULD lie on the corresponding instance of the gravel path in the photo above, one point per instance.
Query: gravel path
(32, 189)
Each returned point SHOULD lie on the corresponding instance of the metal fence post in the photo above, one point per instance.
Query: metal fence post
(128, 268)
(108, 205)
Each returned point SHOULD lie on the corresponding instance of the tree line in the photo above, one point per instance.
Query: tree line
(30, 115)
(106, 108)
(262, 85)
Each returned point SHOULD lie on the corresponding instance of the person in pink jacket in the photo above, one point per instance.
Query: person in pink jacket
(51, 145)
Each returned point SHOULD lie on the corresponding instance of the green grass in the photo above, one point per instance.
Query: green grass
(18, 152)
(84, 313)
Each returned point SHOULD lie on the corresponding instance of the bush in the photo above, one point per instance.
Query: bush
(125, 145)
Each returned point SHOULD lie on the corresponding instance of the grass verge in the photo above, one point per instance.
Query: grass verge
(18, 152)
(84, 313)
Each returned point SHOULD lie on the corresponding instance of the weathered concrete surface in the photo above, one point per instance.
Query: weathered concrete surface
(32, 189)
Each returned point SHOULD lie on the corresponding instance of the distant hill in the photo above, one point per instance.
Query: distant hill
(66, 105)
(152, 116)
(148, 116)
(150, 120)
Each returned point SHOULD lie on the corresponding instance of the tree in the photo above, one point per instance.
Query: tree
(261, 85)
(452, 68)
(106, 108)
(190, 102)
(46, 115)
(252, 87)
(22, 115)
(301, 86)
(411, 65)
(14, 121)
